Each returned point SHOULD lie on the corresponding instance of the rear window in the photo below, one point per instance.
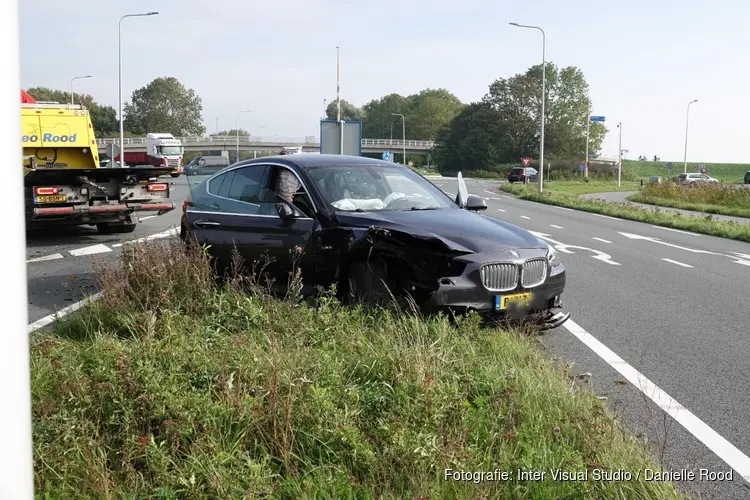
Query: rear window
(517, 171)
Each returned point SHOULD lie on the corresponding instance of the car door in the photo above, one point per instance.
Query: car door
(242, 213)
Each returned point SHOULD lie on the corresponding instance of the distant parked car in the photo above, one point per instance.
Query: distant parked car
(655, 179)
(747, 177)
(522, 174)
(695, 179)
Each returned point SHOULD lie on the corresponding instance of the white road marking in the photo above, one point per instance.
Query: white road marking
(489, 192)
(48, 320)
(705, 434)
(660, 242)
(677, 262)
(47, 257)
(93, 249)
(501, 210)
(562, 247)
(600, 239)
(677, 231)
(606, 216)
(524, 217)
(556, 227)
(497, 199)
(164, 234)
(148, 217)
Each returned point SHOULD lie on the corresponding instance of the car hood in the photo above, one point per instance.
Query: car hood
(460, 230)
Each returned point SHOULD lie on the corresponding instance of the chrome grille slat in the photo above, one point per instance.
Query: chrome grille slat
(500, 276)
(533, 273)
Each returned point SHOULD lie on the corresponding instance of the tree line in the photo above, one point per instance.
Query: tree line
(164, 105)
(497, 130)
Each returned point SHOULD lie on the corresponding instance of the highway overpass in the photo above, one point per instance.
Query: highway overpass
(229, 143)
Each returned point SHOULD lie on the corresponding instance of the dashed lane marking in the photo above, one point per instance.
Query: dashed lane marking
(524, 217)
(92, 250)
(600, 239)
(677, 262)
(46, 258)
(556, 227)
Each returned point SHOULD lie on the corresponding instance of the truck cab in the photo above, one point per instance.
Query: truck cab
(164, 150)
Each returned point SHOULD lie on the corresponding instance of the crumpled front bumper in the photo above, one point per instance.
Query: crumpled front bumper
(466, 293)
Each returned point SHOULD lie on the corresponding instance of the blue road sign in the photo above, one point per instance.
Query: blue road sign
(597, 118)
(581, 168)
(593, 155)
(386, 155)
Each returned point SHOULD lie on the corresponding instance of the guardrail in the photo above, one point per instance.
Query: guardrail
(228, 139)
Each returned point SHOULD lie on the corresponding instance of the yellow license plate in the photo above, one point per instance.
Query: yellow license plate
(57, 198)
(514, 299)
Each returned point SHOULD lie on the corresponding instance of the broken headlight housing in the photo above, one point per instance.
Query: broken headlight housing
(552, 257)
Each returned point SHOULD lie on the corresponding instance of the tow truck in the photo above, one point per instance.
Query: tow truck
(63, 182)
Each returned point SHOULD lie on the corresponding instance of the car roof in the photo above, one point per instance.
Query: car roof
(303, 160)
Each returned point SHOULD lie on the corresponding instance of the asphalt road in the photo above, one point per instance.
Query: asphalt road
(60, 262)
(621, 197)
(672, 305)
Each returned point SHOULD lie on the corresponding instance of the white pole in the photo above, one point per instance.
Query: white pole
(16, 465)
(687, 123)
(119, 61)
(544, 87)
(619, 158)
(338, 85)
(403, 133)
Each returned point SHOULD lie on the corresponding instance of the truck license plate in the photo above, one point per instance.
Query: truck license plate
(515, 299)
(58, 198)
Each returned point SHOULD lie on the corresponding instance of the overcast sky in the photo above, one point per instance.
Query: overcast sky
(644, 60)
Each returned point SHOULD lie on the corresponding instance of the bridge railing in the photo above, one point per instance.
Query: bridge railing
(228, 140)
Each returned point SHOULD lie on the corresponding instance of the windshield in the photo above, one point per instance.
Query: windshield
(377, 188)
(170, 150)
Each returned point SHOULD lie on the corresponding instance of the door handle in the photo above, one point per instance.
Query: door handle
(206, 223)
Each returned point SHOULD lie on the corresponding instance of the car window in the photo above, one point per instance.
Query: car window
(223, 184)
(239, 190)
(376, 188)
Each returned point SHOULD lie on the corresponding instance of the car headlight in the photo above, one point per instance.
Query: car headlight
(552, 256)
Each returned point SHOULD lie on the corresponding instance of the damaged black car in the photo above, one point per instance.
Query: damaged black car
(378, 231)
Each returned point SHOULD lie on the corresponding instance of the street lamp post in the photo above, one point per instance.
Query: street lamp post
(119, 60)
(619, 157)
(403, 133)
(72, 101)
(237, 132)
(687, 123)
(544, 86)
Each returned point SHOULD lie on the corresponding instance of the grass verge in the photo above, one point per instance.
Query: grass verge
(576, 188)
(715, 199)
(729, 172)
(169, 387)
(703, 225)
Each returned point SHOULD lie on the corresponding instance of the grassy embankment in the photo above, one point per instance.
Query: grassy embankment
(722, 200)
(169, 387)
(567, 195)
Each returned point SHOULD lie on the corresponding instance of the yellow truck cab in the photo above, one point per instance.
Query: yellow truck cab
(57, 136)
(63, 181)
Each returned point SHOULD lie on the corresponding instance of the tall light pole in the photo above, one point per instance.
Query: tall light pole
(325, 109)
(687, 123)
(544, 86)
(588, 124)
(619, 157)
(403, 133)
(71, 85)
(237, 131)
(119, 60)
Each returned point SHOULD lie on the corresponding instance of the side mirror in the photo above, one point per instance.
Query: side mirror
(285, 211)
(475, 203)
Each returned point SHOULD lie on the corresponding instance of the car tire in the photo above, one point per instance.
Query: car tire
(366, 282)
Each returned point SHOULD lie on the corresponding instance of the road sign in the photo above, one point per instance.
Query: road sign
(526, 161)
(597, 118)
(593, 155)
(112, 150)
(581, 168)
(386, 155)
